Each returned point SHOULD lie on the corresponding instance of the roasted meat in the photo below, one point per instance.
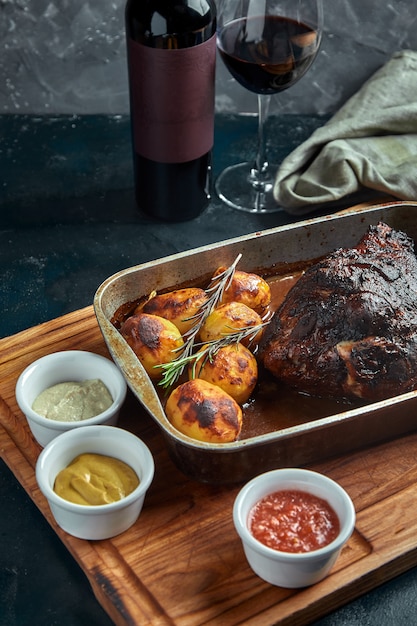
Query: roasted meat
(348, 327)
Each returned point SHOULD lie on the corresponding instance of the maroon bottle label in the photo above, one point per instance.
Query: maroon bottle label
(172, 101)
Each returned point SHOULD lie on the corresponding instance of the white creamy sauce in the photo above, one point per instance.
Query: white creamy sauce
(73, 401)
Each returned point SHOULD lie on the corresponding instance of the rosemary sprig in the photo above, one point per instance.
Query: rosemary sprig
(173, 370)
(218, 285)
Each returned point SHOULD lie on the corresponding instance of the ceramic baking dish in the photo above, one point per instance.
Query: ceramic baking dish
(276, 251)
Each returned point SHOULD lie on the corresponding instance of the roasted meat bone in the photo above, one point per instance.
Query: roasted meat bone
(348, 327)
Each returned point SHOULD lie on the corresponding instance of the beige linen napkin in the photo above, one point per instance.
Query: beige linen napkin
(369, 144)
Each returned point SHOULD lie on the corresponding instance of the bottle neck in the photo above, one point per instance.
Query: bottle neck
(170, 24)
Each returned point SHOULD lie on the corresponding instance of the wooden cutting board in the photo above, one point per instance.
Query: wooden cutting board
(182, 563)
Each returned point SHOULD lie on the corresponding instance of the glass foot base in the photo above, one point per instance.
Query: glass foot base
(236, 188)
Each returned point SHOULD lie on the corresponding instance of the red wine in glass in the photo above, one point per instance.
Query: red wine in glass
(267, 54)
(267, 46)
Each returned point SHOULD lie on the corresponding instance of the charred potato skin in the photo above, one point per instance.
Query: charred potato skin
(178, 306)
(247, 288)
(227, 318)
(204, 412)
(153, 339)
(233, 368)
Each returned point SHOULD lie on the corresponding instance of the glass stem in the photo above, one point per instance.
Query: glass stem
(260, 171)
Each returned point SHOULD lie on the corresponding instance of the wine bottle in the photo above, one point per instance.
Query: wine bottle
(171, 52)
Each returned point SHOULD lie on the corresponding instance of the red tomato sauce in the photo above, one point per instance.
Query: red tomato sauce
(293, 521)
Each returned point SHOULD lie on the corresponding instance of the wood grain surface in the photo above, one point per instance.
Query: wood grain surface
(182, 563)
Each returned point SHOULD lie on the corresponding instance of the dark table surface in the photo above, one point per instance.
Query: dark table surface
(67, 222)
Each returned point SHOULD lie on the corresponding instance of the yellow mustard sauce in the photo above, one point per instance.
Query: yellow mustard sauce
(73, 401)
(94, 479)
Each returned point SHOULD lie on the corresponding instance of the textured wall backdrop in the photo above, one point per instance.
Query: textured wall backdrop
(68, 56)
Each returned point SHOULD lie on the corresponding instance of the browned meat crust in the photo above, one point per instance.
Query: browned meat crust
(348, 327)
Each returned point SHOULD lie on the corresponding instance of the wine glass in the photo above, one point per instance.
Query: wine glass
(267, 46)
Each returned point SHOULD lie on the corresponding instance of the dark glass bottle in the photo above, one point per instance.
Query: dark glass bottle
(171, 53)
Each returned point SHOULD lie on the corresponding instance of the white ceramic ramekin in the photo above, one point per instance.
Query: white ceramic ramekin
(285, 569)
(105, 520)
(58, 367)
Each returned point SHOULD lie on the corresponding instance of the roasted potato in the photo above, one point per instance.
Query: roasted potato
(228, 318)
(233, 368)
(178, 306)
(204, 412)
(153, 339)
(247, 288)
